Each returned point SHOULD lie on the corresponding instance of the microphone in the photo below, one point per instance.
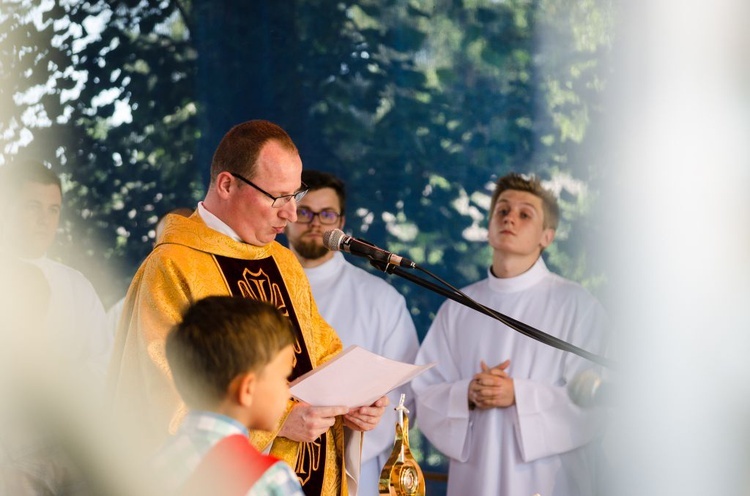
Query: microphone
(336, 240)
(588, 390)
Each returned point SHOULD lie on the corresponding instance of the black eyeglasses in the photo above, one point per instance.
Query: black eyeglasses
(306, 216)
(278, 201)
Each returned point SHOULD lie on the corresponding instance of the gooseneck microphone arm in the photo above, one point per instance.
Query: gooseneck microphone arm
(390, 263)
(456, 295)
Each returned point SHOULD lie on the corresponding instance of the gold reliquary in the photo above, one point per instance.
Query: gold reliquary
(401, 475)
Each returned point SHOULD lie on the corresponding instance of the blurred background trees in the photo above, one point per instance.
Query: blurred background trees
(418, 105)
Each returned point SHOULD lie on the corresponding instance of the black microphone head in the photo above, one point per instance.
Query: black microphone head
(332, 239)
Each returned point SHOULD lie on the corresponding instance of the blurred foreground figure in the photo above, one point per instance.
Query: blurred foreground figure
(25, 465)
(52, 437)
(75, 322)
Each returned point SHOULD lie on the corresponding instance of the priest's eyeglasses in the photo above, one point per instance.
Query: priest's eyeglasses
(306, 216)
(278, 201)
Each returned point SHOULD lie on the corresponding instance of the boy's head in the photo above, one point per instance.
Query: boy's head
(32, 203)
(234, 353)
(533, 185)
(523, 217)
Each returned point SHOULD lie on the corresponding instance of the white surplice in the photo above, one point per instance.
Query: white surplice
(367, 311)
(542, 444)
(76, 320)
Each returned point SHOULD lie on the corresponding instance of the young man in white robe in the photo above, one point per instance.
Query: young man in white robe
(497, 404)
(60, 347)
(76, 320)
(363, 309)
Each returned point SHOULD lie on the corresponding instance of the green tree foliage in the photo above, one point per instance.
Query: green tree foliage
(419, 106)
(115, 117)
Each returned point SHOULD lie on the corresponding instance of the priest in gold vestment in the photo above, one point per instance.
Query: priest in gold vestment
(228, 247)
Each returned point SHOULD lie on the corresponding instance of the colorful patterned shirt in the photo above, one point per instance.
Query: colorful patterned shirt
(198, 434)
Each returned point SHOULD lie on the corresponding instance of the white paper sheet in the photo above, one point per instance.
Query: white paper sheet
(356, 377)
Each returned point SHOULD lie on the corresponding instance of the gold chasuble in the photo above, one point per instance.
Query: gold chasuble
(190, 262)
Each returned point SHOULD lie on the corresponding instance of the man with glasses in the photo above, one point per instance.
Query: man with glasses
(364, 309)
(228, 247)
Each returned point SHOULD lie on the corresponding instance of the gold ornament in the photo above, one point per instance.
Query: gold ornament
(401, 475)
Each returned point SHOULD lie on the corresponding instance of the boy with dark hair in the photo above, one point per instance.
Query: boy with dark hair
(230, 359)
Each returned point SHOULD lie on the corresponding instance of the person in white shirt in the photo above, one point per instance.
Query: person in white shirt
(363, 309)
(496, 403)
(60, 347)
(75, 321)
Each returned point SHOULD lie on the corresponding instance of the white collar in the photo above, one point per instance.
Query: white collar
(216, 223)
(523, 281)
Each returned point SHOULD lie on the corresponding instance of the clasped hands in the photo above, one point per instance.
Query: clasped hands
(305, 422)
(492, 387)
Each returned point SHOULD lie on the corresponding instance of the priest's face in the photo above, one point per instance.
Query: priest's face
(517, 225)
(34, 218)
(250, 212)
(318, 212)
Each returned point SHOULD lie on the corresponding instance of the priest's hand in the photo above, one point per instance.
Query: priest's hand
(366, 418)
(305, 423)
(492, 387)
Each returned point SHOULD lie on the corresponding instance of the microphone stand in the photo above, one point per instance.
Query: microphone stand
(458, 296)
